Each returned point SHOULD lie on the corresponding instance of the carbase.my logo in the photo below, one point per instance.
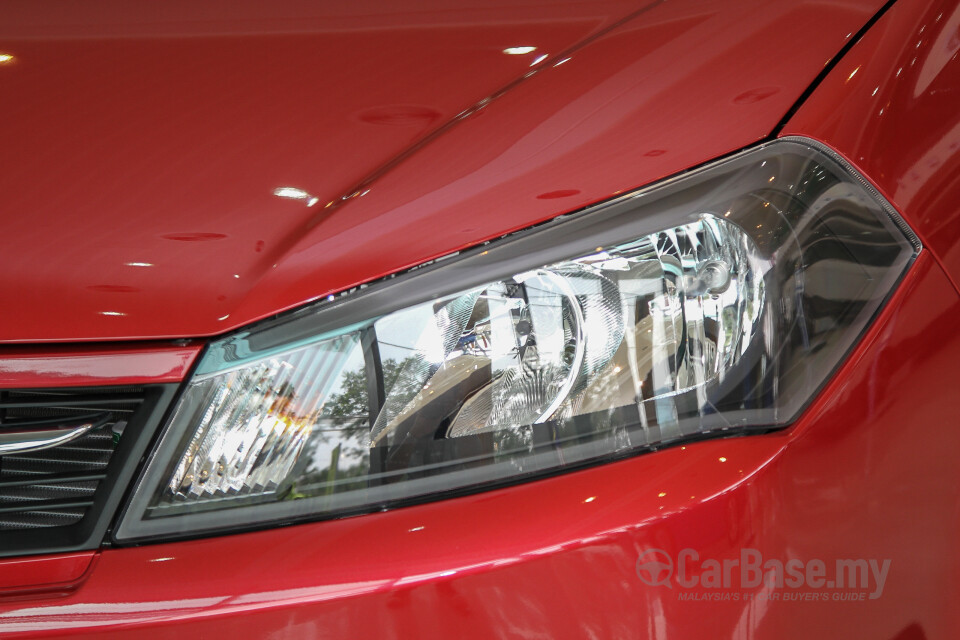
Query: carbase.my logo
(655, 567)
(850, 579)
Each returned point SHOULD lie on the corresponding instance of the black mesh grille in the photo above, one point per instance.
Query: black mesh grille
(56, 487)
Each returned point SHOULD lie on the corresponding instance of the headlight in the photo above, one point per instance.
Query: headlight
(712, 304)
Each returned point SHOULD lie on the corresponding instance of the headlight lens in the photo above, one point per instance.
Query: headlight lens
(714, 303)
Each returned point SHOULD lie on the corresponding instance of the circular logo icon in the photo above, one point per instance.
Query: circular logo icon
(655, 567)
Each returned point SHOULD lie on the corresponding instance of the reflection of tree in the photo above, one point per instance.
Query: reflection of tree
(351, 407)
(338, 457)
(339, 444)
(507, 442)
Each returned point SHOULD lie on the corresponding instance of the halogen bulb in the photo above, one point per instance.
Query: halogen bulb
(715, 276)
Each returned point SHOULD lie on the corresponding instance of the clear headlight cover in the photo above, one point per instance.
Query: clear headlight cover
(715, 303)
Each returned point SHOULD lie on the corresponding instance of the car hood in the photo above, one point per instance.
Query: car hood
(150, 153)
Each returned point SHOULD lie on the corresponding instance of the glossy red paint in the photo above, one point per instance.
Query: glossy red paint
(37, 367)
(867, 472)
(556, 558)
(145, 165)
(900, 118)
(51, 575)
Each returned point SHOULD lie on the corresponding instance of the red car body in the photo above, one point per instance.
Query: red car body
(143, 146)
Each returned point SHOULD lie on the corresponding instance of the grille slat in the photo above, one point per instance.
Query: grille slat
(57, 455)
(11, 522)
(45, 506)
(48, 491)
(37, 478)
(56, 487)
(41, 400)
(51, 464)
